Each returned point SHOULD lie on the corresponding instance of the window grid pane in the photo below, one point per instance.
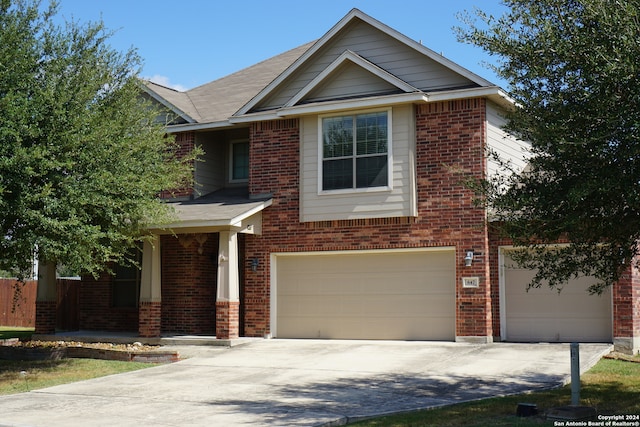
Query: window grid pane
(371, 133)
(371, 172)
(337, 137)
(337, 174)
(355, 145)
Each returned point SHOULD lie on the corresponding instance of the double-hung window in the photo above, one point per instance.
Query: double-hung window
(355, 151)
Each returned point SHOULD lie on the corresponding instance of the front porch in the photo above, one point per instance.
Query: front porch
(189, 284)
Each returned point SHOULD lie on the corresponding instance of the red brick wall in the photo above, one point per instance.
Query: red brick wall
(96, 311)
(450, 139)
(189, 284)
(186, 143)
(626, 305)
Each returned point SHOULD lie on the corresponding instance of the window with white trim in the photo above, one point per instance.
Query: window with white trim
(239, 161)
(355, 151)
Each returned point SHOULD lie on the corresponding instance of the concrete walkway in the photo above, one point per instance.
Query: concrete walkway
(298, 383)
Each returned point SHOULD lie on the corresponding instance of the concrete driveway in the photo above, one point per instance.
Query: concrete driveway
(298, 383)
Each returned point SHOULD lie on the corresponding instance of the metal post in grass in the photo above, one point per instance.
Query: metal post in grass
(575, 374)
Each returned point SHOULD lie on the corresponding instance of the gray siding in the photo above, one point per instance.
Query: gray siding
(506, 146)
(350, 80)
(400, 201)
(377, 47)
(210, 173)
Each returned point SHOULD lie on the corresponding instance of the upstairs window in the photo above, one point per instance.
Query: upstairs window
(355, 151)
(239, 161)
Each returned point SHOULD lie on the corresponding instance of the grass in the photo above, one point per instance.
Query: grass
(612, 387)
(23, 334)
(21, 376)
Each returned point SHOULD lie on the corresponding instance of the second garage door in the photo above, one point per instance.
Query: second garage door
(385, 295)
(543, 314)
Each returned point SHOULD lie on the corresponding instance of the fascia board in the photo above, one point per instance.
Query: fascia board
(350, 104)
(356, 59)
(197, 126)
(167, 104)
(494, 92)
(255, 117)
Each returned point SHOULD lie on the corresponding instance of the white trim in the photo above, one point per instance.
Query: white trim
(353, 14)
(273, 278)
(352, 104)
(356, 59)
(389, 186)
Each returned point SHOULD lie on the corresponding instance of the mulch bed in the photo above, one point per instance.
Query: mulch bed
(14, 349)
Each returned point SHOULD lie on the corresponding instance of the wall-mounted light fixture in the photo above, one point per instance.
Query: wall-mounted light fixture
(468, 260)
(254, 264)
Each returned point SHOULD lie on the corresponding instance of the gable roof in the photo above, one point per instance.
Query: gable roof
(265, 90)
(356, 15)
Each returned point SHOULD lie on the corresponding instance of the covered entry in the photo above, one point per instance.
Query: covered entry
(545, 315)
(400, 295)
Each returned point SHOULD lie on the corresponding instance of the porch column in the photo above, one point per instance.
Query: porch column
(228, 292)
(150, 309)
(46, 299)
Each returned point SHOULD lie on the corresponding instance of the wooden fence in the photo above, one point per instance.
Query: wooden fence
(18, 303)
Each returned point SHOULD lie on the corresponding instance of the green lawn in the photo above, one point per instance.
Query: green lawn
(21, 376)
(612, 387)
(15, 332)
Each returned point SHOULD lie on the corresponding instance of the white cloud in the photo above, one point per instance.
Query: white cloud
(164, 81)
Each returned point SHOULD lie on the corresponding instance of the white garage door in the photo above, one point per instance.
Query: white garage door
(543, 314)
(395, 296)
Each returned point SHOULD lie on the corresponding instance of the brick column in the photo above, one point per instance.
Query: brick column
(150, 308)
(626, 312)
(46, 299)
(227, 319)
(228, 289)
(150, 319)
(46, 317)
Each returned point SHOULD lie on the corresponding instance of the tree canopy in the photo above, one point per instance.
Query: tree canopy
(573, 67)
(82, 157)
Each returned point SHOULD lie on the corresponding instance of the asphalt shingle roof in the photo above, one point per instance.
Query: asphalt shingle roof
(220, 99)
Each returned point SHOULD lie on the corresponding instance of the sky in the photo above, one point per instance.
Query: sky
(186, 43)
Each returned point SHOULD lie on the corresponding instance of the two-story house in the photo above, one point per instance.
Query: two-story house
(331, 203)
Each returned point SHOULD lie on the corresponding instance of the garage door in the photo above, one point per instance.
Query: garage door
(396, 296)
(545, 315)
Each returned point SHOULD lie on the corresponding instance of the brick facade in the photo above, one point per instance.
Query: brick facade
(96, 308)
(626, 312)
(189, 275)
(450, 139)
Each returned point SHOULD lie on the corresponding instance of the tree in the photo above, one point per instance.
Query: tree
(573, 67)
(82, 158)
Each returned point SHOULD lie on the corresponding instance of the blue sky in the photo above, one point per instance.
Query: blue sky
(186, 43)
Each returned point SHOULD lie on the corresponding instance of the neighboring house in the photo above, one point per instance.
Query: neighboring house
(331, 204)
